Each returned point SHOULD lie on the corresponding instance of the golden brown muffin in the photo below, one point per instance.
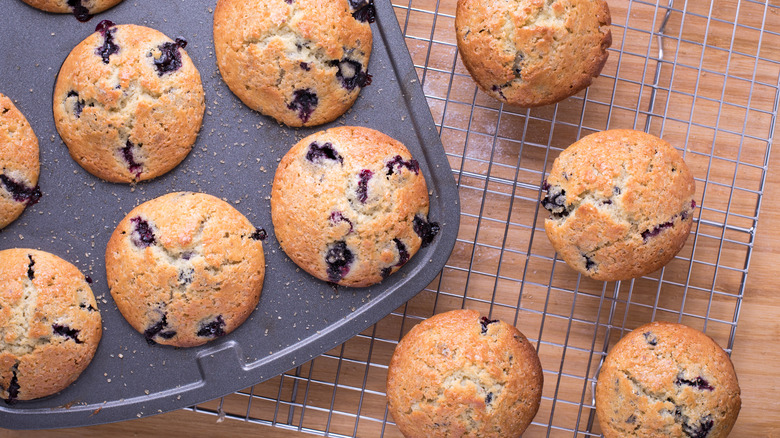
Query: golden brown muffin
(350, 205)
(667, 380)
(533, 52)
(301, 62)
(185, 268)
(621, 204)
(50, 325)
(459, 375)
(128, 103)
(82, 9)
(19, 165)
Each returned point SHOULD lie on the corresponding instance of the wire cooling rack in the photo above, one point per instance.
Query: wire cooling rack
(705, 76)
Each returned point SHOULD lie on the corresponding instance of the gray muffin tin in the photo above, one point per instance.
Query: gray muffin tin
(234, 158)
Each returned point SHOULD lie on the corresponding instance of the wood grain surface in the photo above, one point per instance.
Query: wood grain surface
(756, 351)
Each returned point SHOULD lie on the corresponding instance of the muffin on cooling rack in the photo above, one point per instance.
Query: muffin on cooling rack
(456, 374)
(128, 103)
(350, 206)
(185, 268)
(49, 322)
(533, 52)
(19, 163)
(667, 379)
(621, 204)
(301, 62)
(82, 9)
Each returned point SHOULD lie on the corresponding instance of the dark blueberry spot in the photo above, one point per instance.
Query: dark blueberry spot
(157, 330)
(212, 329)
(631, 419)
(545, 185)
(351, 74)
(20, 192)
(143, 235)
(398, 162)
(693, 204)
(362, 189)
(698, 383)
(170, 57)
(185, 276)
(386, 272)
(88, 279)
(79, 11)
(305, 66)
(88, 307)
(489, 398)
(13, 387)
(289, 2)
(337, 217)
(616, 190)
(426, 230)
(259, 234)
(133, 166)
(484, 321)
(30, 271)
(317, 152)
(68, 332)
(656, 230)
(650, 338)
(304, 102)
(78, 105)
(555, 202)
(108, 48)
(403, 254)
(699, 430)
(589, 263)
(364, 10)
(517, 69)
(498, 89)
(338, 258)
(607, 202)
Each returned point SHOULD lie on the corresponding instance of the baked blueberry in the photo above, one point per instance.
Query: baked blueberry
(336, 217)
(351, 74)
(19, 191)
(129, 156)
(13, 387)
(318, 152)
(650, 338)
(399, 163)
(304, 102)
(213, 329)
(259, 234)
(339, 258)
(79, 11)
(363, 10)
(170, 57)
(143, 235)
(30, 271)
(484, 322)
(698, 383)
(78, 104)
(426, 230)
(362, 189)
(64, 330)
(158, 330)
(109, 47)
(555, 201)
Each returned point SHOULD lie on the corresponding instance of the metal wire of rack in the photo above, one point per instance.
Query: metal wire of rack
(705, 76)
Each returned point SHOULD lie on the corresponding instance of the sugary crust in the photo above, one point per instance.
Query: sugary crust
(316, 203)
(269, 49)
(18, 158)
(62, 7)
(448, 378)
(181, 262)
(127, 103)
(667, 379)
(533, 52)
(39, 290)
(629, 197)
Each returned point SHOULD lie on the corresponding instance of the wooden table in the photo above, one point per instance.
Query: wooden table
(756, 352)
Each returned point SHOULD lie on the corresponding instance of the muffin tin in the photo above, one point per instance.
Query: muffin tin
(234, 159)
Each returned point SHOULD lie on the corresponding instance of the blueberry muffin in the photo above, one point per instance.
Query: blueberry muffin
(50, 325)
(621, 204)
(456, 374)
(128, 103)
(350, 206)
(302, 62)
(185, 268)
(667, 379)
(81, 9)
(533, 52)
(19, 165)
